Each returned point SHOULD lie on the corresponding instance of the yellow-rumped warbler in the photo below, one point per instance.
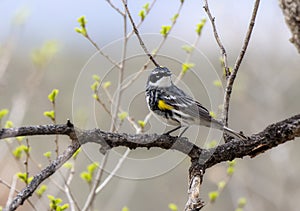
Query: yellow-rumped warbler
(168, 101)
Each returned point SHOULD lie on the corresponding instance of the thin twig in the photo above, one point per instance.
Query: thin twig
(217, 37)
(115, 8)
(160, 45)
(121, 75)
(188, 57)
(142, 44)
(113, 62)
(232, 76)
(98, 177)
(91, 196)
(104, 106)
(12, 190)
(100, 171)
(26, 160)
(117, 102)
(7, 185)
(129, 119)
(113, 172)
(16, 191)
(56, 137)
(44, 174)
(142, 20)
(69, 194)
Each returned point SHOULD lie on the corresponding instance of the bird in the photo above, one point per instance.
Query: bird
(171, 103)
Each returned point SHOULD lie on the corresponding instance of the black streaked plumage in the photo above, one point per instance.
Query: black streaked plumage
(168, 101)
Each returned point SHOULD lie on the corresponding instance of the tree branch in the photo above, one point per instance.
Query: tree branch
(238, 62)
(44, 174)
(271, 136)
(136, 31)
(291, 12)
(217, 37)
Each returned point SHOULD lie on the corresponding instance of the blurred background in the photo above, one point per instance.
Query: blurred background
(40, 51)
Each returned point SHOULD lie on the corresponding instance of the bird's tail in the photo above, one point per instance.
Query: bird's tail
(219, 125)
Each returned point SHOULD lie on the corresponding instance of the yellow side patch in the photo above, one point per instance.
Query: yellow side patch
(163, 106)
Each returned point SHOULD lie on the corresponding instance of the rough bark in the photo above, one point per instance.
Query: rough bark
(291, 12)
(201, 159)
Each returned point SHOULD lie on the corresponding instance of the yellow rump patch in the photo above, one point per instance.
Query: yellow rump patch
(163, 106)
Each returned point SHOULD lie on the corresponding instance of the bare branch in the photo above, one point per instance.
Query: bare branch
(222, 48)
(115, 8)
(69, 194)
(113, 172)
(119, 92)
(113, 62)
(138, 35)
(272, 136)
(232, 76)
(92, 194)
(160, 45)
(142, 20)
(44, 174)
(12, 190)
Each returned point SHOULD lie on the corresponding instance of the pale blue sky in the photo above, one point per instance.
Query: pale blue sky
(57, 19)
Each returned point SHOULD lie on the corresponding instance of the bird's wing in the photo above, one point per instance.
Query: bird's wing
(185, 104)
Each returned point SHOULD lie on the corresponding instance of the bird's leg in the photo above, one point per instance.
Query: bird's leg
(187, 127)
(171, 131)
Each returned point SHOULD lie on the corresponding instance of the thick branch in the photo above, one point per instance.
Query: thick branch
(272, 136)
(65, 129)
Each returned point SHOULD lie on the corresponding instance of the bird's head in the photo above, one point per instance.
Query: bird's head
(160, 77)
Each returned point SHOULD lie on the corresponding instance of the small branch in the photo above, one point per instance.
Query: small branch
(119, 92)
(103, 104)
(238, 62)
(68, 192)
(187, 59)
(142, 44)
(26, 160)
(44, 174)
(92, 194)
(115, 8)
(142, 20)
(160, 45)
(222, 48)
(110, 176)
(12, 190)
(113, 62)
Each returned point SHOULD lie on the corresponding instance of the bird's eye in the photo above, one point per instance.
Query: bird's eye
(153, 78)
